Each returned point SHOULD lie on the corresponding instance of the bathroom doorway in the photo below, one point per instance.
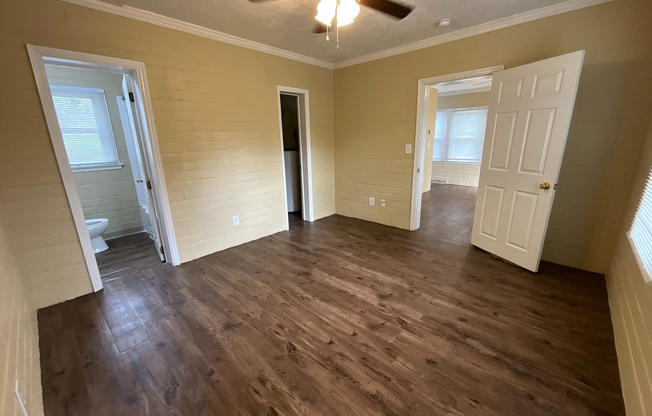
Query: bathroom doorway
(294, 125)
(292, 155)
(99, 117)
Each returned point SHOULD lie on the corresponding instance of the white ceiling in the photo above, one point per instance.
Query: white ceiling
(287, 24)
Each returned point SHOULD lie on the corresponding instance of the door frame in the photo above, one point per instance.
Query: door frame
(39, 56)
(305, 152)
(423, 99)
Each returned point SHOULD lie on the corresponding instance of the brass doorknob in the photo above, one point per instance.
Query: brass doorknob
(544, 185)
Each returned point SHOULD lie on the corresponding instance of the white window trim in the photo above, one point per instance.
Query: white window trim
(447, 138)
(90, 167)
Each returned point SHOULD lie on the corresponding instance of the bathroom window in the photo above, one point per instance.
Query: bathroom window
(459, 135)
(86, 128)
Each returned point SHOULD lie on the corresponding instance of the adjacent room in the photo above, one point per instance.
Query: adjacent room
(96, 119)
(320, 207)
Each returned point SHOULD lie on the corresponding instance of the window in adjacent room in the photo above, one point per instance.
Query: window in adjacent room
(459, 134)
(640, 235)
(86, 127)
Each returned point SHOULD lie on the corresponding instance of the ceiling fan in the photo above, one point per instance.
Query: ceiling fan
(344, 11)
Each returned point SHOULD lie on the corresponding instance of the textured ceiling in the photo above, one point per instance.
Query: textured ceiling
(287, 24)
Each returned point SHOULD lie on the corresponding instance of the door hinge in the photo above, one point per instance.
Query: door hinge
(149, 185)
(131, 97)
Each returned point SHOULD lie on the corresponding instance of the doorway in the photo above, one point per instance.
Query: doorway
(294, 127)
(99, 117)
(527, 124)
(450, 133)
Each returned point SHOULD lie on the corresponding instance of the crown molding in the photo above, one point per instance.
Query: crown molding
(559, 8)
(170, 23)
(174, 24)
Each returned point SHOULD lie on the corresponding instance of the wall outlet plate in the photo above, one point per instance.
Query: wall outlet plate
(236, 220)
(408, 149)
(383, 202)
(371, 200)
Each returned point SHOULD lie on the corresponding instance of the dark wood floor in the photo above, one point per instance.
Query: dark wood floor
(127, 255)
(338, 317)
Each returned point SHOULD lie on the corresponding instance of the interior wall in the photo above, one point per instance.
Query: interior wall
(216, 115)
(376, 116)
(433, 104)
(474, 99)
(290, 120)
(630, 300)
(19, 352)
(105, 193)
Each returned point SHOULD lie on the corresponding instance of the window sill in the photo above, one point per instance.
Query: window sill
(646, 276)
(92, 168)
(455, 162)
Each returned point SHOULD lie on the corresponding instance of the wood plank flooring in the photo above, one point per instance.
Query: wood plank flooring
(127, 255)
(337, 317)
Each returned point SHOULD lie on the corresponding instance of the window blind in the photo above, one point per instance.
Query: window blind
(640, 235)
(85, 126)
(459, 135)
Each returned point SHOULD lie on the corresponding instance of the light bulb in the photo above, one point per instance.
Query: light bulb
(347, 11)
(326, 11)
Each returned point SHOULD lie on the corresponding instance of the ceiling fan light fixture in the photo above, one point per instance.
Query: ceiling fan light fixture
(326, 11)
(346, 12)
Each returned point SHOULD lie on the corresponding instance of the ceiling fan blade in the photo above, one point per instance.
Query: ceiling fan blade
(319, 28)
(393, 9)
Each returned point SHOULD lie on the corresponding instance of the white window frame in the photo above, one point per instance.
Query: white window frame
(447, 138)
(86, 167)
(642, 223)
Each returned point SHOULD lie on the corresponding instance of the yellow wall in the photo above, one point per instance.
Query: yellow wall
(19, 355)
(630, 300)
(216, 115)
(105, 193)
(433, 104)
(375, 116)
(475, 99)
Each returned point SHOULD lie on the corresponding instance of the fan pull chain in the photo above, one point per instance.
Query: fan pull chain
(337, 30)
(327, 38)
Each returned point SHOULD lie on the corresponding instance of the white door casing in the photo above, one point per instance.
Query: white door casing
(529, 116)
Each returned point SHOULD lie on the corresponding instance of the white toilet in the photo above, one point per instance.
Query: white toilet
(96, 228)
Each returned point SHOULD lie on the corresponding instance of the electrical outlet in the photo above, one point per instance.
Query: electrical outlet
(371, 200)
(408, 149)
(21, 401)
(236, 220)
(383, 202)
(362, 198)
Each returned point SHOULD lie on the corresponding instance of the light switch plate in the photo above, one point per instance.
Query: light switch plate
(236, 220)
(383, 202)
(408, 149)
(371, 200)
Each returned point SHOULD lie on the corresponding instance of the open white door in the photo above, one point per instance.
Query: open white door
(529, 116)
(132, 94)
